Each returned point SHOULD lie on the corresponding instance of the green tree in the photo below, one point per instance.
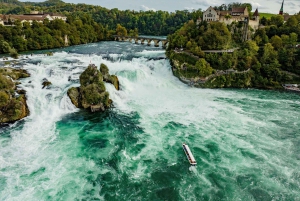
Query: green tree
(276, 42)
(13, 53)
(263, 38)
(286, 58)
(264, 21)
(216, 37)
(285, 39)
(269, 54)
(203, 67)
(252, 47)
(293, 38)
(4, 47)
(277, 20)
(292, 22)
(133, 32)
(121, 31)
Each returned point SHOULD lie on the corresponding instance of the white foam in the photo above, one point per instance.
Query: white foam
(170, 113)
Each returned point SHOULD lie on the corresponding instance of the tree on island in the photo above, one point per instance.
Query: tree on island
(92, 92)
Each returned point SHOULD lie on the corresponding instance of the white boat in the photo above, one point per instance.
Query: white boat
(291, 87)
(189, 154)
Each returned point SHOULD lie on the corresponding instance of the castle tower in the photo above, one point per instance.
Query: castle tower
(256, 15)
(281, 9)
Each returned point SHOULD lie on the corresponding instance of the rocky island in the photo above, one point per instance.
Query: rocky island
(92, 93)
(13, 105)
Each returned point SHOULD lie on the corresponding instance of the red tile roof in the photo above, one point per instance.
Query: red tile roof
(256, 13)
(238, 10)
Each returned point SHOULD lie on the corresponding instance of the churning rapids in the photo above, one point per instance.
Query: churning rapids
(246, 142)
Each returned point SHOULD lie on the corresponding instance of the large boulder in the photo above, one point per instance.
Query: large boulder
(92, 93)
(73, 93)
(13, 105)
(115, 81)
(15, 74)
(109, 78)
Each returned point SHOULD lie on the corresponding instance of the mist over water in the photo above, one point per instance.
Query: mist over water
(246, 142)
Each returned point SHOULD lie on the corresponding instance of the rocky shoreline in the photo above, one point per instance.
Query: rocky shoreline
(230, 78)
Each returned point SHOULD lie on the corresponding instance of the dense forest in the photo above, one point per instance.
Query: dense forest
(51, 34)
(271, 58)
(147, 22)
(85, 24)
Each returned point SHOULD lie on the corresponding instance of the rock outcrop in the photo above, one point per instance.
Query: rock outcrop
(109, 78)
(92, 93)
(46, 83)
(13, 105)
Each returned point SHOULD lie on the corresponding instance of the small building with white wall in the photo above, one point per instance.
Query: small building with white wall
(210, 15)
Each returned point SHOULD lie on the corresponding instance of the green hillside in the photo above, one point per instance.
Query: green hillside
(266, 15)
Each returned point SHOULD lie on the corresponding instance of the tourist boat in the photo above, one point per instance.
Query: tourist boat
(291, 87)
(189, 154)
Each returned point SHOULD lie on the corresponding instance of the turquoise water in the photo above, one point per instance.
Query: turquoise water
(246, 142)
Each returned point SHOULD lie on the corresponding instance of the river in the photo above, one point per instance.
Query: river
(246, 142)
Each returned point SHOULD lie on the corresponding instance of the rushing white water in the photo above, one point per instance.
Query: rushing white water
(245, 142)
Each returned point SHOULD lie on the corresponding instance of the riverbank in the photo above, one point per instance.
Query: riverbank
(184, 67)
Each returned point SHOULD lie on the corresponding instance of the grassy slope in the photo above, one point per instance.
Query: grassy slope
(266, 15)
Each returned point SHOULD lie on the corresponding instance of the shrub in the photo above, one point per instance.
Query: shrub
(13, 53)
(91, 75)
(91, 94)
(5, 83)
(4, 98)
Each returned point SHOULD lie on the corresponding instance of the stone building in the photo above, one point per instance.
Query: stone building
(210, 15)
(235, 15)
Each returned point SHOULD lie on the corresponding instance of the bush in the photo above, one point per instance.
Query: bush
(92, 94)
(4, 98)
(5, 83)
(91, 75)
(13, 53)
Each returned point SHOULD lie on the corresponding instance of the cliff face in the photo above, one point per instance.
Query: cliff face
(13, 105)
(92, 93)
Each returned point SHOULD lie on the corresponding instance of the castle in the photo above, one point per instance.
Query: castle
(235, 15)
